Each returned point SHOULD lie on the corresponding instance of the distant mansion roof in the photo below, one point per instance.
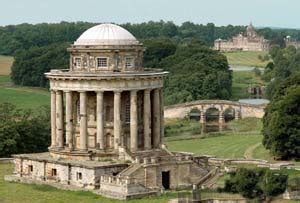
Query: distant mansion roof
(106, 34)
(250, 41)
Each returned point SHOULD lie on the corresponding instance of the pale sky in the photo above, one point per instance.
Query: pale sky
(273, 13)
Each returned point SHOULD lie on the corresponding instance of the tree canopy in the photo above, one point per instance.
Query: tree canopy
(282, 116)
(256, 183)
(196, 72)
(23, 131)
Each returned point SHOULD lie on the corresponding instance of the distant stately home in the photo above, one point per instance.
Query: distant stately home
(289, 41)
(107, 124)
(249, 42)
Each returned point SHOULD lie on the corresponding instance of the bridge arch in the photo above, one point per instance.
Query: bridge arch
(212, 113)
(229, 113)
(194, 114)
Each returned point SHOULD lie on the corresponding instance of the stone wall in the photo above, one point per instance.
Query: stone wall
(67, 174)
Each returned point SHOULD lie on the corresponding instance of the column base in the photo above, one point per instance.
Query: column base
(100, 151)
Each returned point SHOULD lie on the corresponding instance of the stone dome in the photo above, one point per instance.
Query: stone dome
(106, 34)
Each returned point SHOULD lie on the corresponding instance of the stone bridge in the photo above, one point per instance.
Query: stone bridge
(241, 110)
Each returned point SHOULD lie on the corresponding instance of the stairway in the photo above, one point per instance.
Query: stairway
(211, 182)
(129, 170)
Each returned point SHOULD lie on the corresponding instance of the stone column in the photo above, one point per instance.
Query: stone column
(59, 120)
(69, 119)
(162, 130)
(133, 121)
(202, 117)
(147, 120)
(156, 114)
(117, 119)
(221, 118)
(100, 121)
(83, 121)
(237, 115)
(53, 119)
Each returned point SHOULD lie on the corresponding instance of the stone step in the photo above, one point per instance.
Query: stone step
(128, 171)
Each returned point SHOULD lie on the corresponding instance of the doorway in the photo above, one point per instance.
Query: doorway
(165, 175)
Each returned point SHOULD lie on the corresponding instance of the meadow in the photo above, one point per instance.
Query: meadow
(241, 80)
(246, 58)
(229, 145)
(22, 97)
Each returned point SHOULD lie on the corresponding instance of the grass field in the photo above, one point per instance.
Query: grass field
(246, 59)
(241, 80)
(22, 97)
(228, 146)
(5, 64)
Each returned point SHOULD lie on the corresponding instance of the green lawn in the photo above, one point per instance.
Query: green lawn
(230, 145)
(241, 80)
(22, 97)
(246, 58)
(262, 153)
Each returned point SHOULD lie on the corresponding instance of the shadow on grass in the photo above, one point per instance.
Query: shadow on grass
(43, 188)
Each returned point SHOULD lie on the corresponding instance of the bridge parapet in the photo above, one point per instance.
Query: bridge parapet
(242, 110)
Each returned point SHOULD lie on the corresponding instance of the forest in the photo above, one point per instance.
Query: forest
(281, 122)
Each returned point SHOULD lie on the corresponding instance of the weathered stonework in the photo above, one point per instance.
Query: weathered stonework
(251, 42)
(241, 110)
(107, 124)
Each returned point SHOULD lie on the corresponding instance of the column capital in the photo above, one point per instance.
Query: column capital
(58, 91)
(133, 91)
(52, 91)
(99, 92)
(147, 91)
(117, 91)
(67, 91)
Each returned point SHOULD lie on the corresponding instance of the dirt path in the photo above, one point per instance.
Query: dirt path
(249, 151)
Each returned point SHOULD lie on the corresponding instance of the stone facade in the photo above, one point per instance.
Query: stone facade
(107, 124)
(289, 41)
(249, 42)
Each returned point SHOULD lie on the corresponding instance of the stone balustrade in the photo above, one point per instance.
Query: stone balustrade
(115, 180)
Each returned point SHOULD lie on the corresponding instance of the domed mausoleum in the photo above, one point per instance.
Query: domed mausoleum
(107, 123)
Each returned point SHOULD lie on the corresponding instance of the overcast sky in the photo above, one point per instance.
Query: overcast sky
(274, 13)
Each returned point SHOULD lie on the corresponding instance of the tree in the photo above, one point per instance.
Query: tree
(156, 50)
(275, 183)
(281, 122)
(23, 131)
(196, 72)
(30, 65)
(256, 183)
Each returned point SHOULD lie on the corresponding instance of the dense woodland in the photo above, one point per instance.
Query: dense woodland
(282, 118)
